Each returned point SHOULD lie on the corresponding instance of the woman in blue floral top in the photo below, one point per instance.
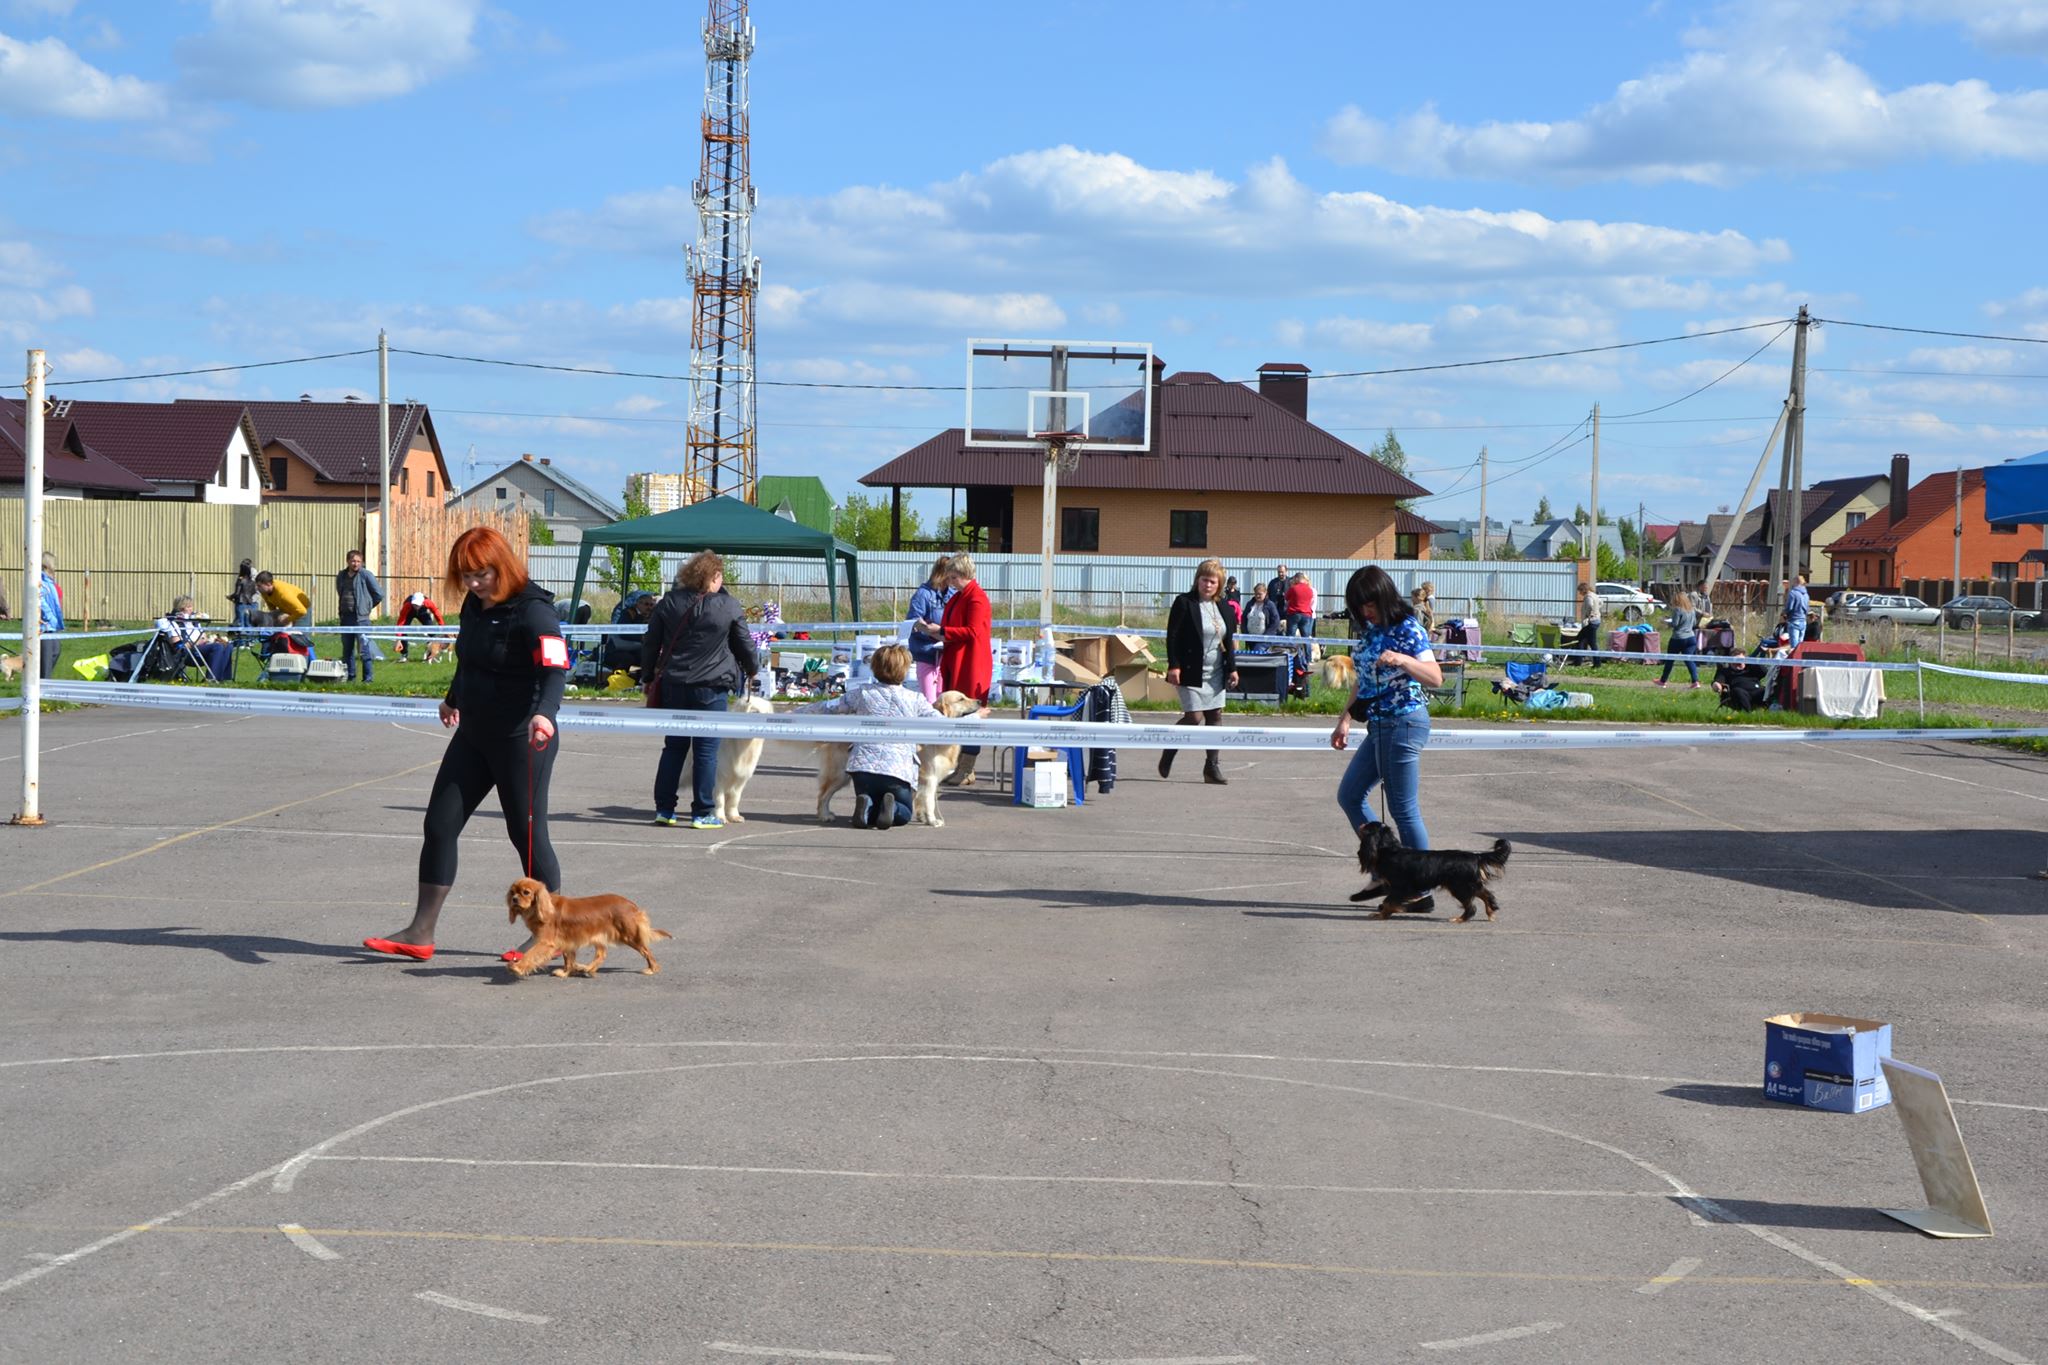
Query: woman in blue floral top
(1394, 665)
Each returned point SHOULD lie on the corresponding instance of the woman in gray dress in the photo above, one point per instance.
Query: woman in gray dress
(1201, 659)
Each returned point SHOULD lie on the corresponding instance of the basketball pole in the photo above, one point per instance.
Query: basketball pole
(1055, 450)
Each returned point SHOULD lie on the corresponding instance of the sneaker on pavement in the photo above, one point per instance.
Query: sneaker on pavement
(707, 822)
(668, 817)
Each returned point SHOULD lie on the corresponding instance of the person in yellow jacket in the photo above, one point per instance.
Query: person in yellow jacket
(288, 600)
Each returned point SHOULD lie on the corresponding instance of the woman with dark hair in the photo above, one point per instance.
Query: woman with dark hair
(511, 666)
(1201, 658)
(697, 652)
(1394, 665)
(928, 604)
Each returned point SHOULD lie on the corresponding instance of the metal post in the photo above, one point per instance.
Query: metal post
(1920, 687)
(1795, 513)
(383, 462)
(32, 597)
(1482, 510)
(1593, 514)
(1957, 572)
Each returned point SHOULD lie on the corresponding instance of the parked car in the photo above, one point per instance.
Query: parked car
(1843, 603)
(1904, 611)
(1990, 613)
(1630, 604)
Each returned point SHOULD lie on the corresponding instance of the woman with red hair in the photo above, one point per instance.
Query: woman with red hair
(511, 666)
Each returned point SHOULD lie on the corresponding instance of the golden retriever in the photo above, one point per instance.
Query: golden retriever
(934, 762)
(562, 926)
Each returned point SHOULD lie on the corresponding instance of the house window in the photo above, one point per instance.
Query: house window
(547, 502)
(1840, 576)
(501, 492)
(277, 473)
(1407, 545)
(404, 482)
(2010, 528)
(2009, 569)
(1187, 530)
(1856, 520)
(1081, 528)
(430, 483)
(245, 471)
(222, 477)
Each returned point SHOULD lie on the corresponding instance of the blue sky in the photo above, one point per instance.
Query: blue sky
(1348, 186)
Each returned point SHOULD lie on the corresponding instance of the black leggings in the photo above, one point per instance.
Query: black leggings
(472, 766)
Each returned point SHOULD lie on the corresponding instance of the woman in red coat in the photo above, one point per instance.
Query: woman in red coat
(965, 664)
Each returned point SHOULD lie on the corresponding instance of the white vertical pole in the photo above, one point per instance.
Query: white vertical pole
(1593, 515)
(32, 598)
(383, 461)
(1482, 510)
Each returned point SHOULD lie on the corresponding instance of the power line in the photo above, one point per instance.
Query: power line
(209, 369)
(1935, 374)
(1932, 332)
(1711, 382)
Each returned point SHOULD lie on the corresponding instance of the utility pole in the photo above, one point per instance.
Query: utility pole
(1957, 590)
(1482, 504)
(383, 462)
(1593, 515)
(1642, 576)
(32, 596)
(1795, 435)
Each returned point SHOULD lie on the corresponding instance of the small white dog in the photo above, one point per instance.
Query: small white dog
(737, 759)
(934, 761)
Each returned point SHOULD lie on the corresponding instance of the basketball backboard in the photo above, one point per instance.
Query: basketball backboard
(1018, 391)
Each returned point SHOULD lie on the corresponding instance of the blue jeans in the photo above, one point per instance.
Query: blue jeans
(351, 644)
(1389, 752)
(668, 774)
(1681, 644)
(1798, 629)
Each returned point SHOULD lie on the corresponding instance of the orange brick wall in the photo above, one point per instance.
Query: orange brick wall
(1930, 551)
(300, 482)
(1246, 527)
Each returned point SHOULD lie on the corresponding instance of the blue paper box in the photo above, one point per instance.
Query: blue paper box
(1826, 1061)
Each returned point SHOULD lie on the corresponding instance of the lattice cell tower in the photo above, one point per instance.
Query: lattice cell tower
(724, 272)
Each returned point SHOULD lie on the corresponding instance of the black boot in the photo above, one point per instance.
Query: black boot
(1166, 762)
(1212, 771)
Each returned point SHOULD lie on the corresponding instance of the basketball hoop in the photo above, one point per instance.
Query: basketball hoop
(1063, 449)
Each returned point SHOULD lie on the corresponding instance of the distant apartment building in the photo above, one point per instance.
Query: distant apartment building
(662, 492)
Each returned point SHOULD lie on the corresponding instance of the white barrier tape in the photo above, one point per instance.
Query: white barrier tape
(805, 729)
(1987, 674)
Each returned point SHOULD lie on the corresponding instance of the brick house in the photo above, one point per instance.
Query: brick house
(328, 452)
(203, 452)
(1915, 537)
(1233, 471)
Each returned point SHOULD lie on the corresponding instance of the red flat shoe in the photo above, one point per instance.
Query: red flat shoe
(415, 951)
(512, 955)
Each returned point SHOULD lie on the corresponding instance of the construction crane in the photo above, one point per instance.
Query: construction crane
(725, 274)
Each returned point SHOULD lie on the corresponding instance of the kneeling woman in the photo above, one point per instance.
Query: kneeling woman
(1394, 665)
(510, 668)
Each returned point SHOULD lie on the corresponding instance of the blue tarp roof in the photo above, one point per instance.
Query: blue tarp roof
(2017, 491)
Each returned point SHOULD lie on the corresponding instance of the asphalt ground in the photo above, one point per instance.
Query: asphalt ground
(1130, 1081)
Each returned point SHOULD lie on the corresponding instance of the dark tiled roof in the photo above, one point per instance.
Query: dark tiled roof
(1408, 524)
(1207, 435)
(68, 462)
(164, 442)
(339, 440)
(1932, 497)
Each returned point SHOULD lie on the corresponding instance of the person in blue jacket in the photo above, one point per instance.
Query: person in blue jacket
(51, 615)
(928, 604)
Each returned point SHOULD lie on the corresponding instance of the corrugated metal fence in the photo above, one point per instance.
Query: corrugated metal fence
(126, 561)
(1123, 585)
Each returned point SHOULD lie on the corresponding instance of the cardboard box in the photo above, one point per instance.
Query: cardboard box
(1124, 649)
(1045, 785)
(791, 661)
(1090, 652)
(1826, 1061)
(1068, 670)
(1141, 684)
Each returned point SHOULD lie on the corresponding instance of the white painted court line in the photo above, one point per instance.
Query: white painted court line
(482, 1309)
(999, 1179)
(1943, 777)
(734, 1348)
(308, 1243)
(1172, 1360)
(1678, 1270)
(1534, 1329)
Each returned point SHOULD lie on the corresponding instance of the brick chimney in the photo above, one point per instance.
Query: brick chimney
(1287, 385)
(1901, 486)
(544, 460)
(527, 458)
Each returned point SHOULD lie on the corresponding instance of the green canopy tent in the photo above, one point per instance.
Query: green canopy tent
(730, 527)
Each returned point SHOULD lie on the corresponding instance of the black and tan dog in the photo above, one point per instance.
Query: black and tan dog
(1406, 876)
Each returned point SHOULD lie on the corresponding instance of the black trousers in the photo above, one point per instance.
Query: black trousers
(475, 763)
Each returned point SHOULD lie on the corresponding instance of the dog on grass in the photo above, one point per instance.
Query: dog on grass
(934, 763)
(562, 926)
(1340, 674)
(1405, 876)
(737, 759)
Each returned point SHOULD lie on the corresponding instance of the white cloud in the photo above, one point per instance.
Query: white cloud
(45, 77)
(1762, 92)
(314, 54)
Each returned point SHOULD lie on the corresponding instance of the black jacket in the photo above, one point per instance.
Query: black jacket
(1262, 618)
(703, 638)
(510, 662)
(1184, 640)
